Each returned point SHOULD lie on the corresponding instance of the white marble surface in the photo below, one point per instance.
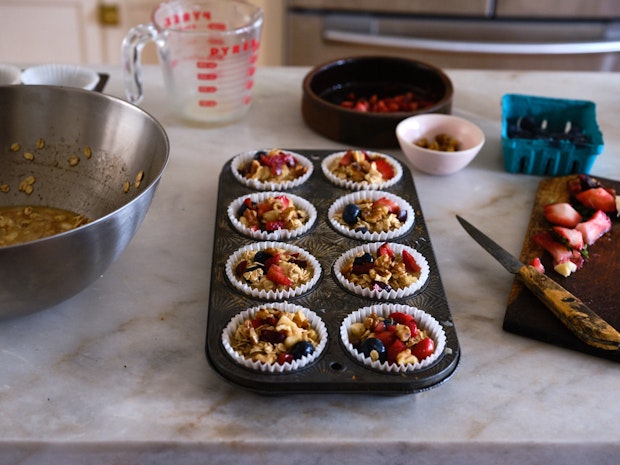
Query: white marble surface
(118, 374)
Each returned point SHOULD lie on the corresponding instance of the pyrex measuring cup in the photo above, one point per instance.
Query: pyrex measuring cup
(207, 50)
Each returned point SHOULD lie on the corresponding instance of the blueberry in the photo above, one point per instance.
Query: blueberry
(366, 258)
(259, 154)
(402, 215)
(261, 256)
(351, 213)
(361, 229)
(301, 349)
(372, 343)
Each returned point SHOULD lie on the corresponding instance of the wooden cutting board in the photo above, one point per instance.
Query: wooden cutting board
(597, 283)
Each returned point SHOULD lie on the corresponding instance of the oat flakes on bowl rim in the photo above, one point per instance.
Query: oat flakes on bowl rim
(279, 234)
(363, 185)
(381, 294)
(242, 158)
(315, 322)
(271, 294)
(368, 236)
(424, 322)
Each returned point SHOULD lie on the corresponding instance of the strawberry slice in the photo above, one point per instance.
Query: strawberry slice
(424, 348)
(273, 260)
(347, 158)
(410, 264)
(274, 225)
(392, 207)
(536, 263)
(385, 249)
(562, 214)
(396, 348)
(384, 167)
(595, 227)
(598, 198)
(571, 237)
(284, 200)
(559, 252)
(400, 317)
(277, 276)
(263, 208)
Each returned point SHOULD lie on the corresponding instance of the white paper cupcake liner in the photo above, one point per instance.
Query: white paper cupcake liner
(244, 157)
(423, 320)
(315, 322)
(355, 197)
(382, 294)
(351, 185)
(263, 294)
(277, 235)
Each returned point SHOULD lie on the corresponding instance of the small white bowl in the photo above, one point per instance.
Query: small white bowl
(470, 138)
(9, 75)
(61, 75)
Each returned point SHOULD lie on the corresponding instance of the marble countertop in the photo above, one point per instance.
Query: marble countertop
(118, 373)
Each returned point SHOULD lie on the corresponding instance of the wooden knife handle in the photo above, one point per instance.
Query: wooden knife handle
(583, 322)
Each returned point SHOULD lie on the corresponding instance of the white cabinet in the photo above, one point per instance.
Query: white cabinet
(72, 31)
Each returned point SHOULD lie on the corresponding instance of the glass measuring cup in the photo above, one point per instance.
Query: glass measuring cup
(207, 51)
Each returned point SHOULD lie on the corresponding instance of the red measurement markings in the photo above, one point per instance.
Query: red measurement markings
(207, 103)
(207, 89)
(187, 17)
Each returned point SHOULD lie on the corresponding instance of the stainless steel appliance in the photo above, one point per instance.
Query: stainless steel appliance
(484, 34)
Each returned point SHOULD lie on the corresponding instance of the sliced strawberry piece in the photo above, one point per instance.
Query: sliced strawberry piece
(424, 348)
(571, 237)
(562, 214)
(347, 158)
(595, 227)
(277, 276)
(400, 317)
(410, 264)
(387, 337)
(598, 198)
(396, 348)
(385, 249)
(263, 208)
(536, 263)
(558, 251)
(391, 206)
(284, 200)
(273, 260)
(274, 225)
(384, 167)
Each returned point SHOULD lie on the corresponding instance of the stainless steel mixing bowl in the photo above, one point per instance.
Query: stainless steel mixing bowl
(84, 150)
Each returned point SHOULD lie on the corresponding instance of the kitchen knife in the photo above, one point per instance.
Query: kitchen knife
(576, 316)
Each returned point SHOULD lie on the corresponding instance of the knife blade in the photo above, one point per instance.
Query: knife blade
(570, 310)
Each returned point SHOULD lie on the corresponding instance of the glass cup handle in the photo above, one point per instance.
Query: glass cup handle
(131, 52)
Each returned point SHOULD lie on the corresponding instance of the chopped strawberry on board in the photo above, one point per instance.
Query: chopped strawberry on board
(562, 214)
(560, 253)
(571, 237)
(598, 198)
(595, 227)
(536, 263)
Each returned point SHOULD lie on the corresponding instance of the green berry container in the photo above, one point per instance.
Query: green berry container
(546, 155)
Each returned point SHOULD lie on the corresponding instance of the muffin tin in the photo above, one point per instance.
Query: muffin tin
(336, 370)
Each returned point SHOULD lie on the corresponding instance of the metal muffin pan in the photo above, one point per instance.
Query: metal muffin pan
(335, 371)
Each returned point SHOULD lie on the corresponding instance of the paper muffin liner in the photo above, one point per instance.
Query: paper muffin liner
(279, 234)
(364, 185)
(381, 294)
(315, 322)
(242, 158)
(271, 294)
(423, 320)
(355, 197)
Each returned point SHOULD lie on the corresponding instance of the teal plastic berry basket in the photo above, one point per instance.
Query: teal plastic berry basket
(549, 136)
